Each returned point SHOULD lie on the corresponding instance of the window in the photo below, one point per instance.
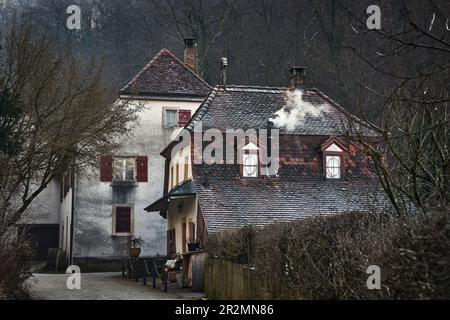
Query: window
(120, 169)
(170, 119)
(123, 220)
(333, 159)
(124, 169)
(250, 166)
(333, 167)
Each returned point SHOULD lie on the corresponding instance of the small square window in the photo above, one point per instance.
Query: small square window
(170, 118)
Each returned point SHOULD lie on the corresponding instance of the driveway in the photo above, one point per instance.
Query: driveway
(102, 286)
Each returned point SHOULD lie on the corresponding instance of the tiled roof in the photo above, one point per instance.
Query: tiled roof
(299, 190)
(247, 107)
(230, 202)
(166, 75)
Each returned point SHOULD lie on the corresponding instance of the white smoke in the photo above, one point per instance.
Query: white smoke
(296, 109)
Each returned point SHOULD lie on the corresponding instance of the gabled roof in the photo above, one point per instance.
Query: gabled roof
(166, 75)
(249, 107)
(299, 189)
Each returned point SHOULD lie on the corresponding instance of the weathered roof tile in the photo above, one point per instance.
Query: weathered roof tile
(166, 75)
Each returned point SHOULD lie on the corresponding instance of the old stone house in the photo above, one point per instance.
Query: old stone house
(318, 171)
(93, 215)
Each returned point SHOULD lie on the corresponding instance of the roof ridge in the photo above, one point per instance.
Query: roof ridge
(253, 87)
(201, 110)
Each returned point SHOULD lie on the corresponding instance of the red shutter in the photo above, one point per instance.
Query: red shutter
(142, 169)
(106, 168)
(183, 117)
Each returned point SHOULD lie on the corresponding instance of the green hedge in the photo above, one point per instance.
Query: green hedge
(327, 257)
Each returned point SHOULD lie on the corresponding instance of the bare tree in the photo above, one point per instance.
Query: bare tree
(58, 113)
(414, 122)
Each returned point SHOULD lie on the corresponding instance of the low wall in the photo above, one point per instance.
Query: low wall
(100, 264)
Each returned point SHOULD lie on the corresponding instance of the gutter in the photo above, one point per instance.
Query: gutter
(72, 214)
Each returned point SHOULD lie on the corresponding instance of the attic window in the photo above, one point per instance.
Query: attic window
(250, 163)
(333, 161)
(333, 167)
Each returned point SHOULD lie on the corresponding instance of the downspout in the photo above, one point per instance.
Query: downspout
(72, 214)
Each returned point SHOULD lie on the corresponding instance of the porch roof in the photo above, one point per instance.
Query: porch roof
(186, 189)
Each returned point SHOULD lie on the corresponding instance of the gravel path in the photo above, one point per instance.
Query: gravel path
(102, 286)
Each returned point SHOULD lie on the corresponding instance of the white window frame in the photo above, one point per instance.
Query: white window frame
(253, 157)
(165, 111)
(124, 168)
(333, 172)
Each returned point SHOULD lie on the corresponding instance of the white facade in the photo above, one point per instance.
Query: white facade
(95, 200)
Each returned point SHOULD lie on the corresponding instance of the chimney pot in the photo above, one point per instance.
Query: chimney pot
(297, 78)
(190, 53)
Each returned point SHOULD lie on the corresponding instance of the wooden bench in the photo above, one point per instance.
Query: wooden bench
(155, 268)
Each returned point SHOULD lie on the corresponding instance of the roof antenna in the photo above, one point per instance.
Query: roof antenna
(223, 71)
(206, 179)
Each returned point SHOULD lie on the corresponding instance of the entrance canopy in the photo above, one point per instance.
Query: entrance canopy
(184, 190)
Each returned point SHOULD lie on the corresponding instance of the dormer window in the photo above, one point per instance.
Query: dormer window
(250, 161)
(333, 167)
(333, 159)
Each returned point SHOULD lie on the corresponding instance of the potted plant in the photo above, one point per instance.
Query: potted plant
(135, 249)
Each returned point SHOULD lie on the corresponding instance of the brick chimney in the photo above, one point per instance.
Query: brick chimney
(190, 53)
(297, 78)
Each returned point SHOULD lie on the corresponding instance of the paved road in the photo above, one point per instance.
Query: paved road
(101, 286)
